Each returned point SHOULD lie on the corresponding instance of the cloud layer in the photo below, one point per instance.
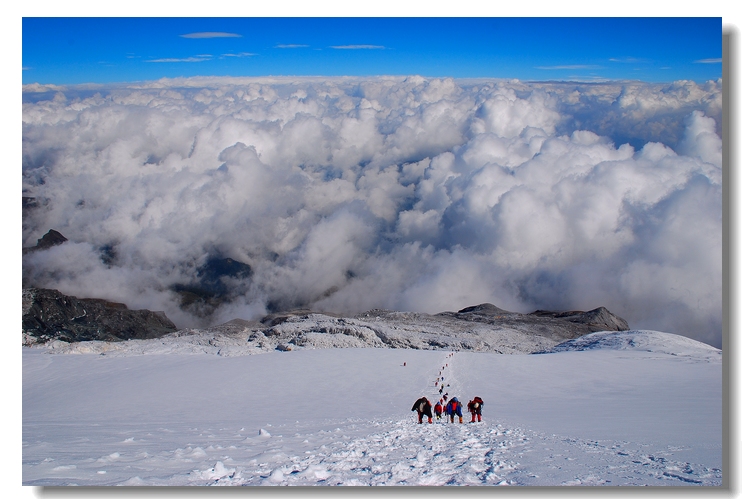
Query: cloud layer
(419, 194)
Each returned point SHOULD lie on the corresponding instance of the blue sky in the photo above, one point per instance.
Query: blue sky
(113, 49)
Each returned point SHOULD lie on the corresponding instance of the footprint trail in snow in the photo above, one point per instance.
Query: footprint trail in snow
(375, 450)
(408, 453)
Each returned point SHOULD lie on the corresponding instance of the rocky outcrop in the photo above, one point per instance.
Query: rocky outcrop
(485, 309)
(51, 238)
(599, 319)
(50, 315)
(281, 317)
(557, 326)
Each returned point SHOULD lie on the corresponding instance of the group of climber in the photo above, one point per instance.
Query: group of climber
(452, 409)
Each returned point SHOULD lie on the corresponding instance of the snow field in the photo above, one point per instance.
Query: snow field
(342, 417)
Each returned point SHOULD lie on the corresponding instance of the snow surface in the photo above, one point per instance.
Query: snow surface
(649, 341)
(627, 408)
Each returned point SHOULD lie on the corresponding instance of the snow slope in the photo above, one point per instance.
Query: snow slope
(604, 415)
(649, 341)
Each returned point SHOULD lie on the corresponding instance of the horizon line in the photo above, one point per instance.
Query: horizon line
(395, 76)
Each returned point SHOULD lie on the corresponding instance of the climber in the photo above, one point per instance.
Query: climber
(475, 407)
(438, 409)
(454, 409)
(423, 407)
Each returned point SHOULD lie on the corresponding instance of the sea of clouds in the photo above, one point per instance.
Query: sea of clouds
(347, 194)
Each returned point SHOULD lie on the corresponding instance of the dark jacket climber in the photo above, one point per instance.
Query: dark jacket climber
(423, 407)
(475, 407)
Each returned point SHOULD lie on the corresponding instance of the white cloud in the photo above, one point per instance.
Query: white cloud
(211, 34)
(506, 115)
(347, 194)
(570, 66)
(629, 60)
(357, 47)
(37, 87)
(713, 60)
(199, 58)
(700, 139)
(239, 54)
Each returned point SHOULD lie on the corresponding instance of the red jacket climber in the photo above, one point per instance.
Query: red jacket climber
(438, 410)
(475, 407)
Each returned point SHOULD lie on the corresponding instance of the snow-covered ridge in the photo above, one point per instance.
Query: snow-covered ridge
(504, 334)
(643, 340)
(319, 331)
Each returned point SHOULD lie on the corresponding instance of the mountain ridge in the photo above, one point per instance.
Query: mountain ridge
(49, 316)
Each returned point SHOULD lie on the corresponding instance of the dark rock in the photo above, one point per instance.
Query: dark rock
(271, 320)
(50, 239)
(599, 319)
(487, 309)
(50, 315)
(552, 325)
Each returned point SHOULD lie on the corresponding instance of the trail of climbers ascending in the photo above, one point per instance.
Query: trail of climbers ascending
(453, 407)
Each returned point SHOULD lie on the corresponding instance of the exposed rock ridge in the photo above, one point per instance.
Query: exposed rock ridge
(599, 319)
(51, 238)
(51, 315)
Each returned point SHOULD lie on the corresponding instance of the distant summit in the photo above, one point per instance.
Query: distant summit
(48, 240)
(599, 319)
(483, 309)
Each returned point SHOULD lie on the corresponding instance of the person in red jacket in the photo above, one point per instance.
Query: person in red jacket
(438, 409)
(423, 407)
(475, 407)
